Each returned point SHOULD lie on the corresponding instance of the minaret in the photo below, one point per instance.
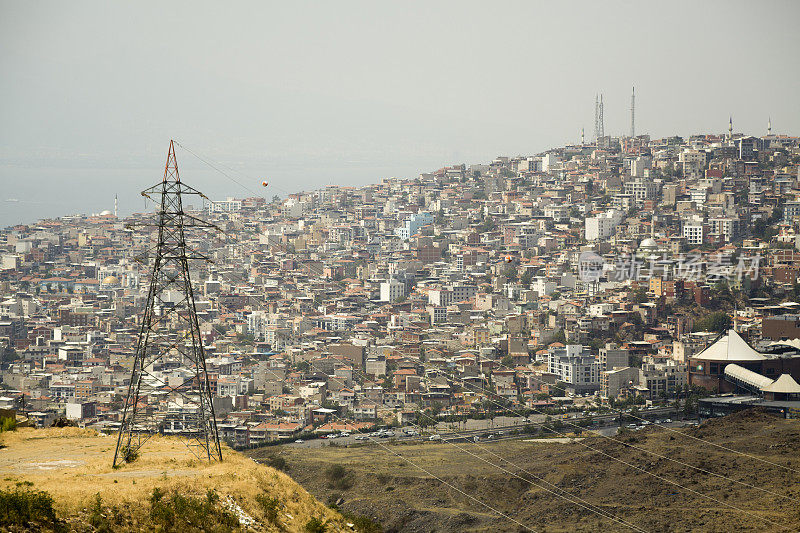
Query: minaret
(115, 206)
(769, 126)
(602, 125)
(582, 139)
(730, 129)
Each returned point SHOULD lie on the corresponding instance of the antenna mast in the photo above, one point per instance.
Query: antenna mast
(633, 112)
(598, 118)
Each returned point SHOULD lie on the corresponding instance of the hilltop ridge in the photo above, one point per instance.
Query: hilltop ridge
(74, 466)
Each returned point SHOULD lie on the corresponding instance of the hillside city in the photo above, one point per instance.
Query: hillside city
(626, 273)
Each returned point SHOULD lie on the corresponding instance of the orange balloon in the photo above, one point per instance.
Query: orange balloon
(264, 183)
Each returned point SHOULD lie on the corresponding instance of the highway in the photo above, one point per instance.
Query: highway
(606, 424)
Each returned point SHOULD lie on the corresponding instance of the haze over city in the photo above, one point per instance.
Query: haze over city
(352, 92)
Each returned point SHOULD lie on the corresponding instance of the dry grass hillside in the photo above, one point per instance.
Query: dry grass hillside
(373, 482)
(74, 467)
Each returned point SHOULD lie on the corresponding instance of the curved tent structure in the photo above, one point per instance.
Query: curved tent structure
(745, 378)
(730, 347)
(785, 384)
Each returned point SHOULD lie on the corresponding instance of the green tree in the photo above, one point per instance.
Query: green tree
(718, 322)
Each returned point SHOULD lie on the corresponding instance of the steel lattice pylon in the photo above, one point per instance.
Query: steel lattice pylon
(169, 391)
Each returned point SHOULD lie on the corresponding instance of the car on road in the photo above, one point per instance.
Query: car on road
(435, 437)
(666, 421)
(362, 437)
(299, 441)
(344, 434)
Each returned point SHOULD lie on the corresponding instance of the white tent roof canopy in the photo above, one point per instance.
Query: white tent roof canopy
(730, 347)
(785, 384)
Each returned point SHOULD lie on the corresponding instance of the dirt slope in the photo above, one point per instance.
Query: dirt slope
(403, 498)
(74, 466)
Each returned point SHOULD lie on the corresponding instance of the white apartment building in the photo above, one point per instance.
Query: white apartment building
(228, 205)
(392, 290)
(543, 286)
(699, 195)
(559, 213)
(549, 161)
(639, 166)
(454, 293)
(413, 224)
(693, 232)
(602, 226)
(726, 227)
(640, 189)
(575, 366)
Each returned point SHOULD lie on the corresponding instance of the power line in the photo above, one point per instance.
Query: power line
(409, 461)
(637, 467)
(215, 167)
(701, 440)
(587, 506)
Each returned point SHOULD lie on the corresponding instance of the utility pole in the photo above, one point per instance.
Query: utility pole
(170, 334)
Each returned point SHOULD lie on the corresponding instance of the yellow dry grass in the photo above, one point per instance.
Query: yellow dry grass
(74, 465)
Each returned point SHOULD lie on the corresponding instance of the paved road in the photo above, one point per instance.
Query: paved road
(604, 424)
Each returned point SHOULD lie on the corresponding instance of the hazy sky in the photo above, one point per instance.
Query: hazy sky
(309, 94)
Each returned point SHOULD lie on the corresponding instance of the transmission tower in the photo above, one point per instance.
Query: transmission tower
(169, 390)
(598, 118)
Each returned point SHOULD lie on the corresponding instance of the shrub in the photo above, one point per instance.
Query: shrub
(129, 454)
(63, 423)
(269, 506)
(361, 523)
(338, 477)
(315, 525)
(98, 516)
(8, 423)
(277, 462)
(179, 513)
(24, 507)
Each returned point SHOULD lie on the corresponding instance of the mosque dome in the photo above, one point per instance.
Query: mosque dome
(648, 243)
(110, 280)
